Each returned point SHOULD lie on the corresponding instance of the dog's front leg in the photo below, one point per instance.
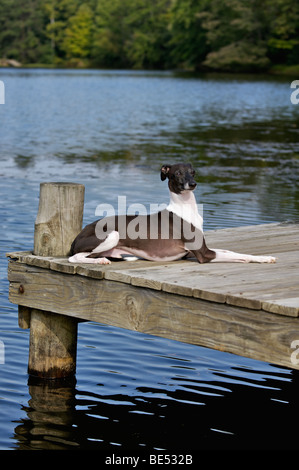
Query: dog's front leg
(204, 254)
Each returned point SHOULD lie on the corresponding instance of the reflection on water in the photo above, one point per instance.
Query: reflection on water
(112, 131)
(49, 412)
(149, 401)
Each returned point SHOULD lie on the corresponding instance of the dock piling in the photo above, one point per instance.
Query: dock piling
(53, 337)
(53, 345)
(59, 218)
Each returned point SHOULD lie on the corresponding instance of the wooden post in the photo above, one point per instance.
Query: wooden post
(53, 345)
(53, 337)
(59, 218)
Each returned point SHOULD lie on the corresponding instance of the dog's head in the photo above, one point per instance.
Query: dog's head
(180, 176)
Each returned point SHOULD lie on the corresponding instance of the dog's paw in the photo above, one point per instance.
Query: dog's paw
(83, 258)
(101, 260)
(267, 259)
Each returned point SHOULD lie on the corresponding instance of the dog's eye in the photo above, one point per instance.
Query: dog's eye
(178, 173)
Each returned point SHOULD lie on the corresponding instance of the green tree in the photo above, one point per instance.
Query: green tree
(58, 13)
(236, 31)
(147, 44)
(111, 33)
(22, 31)
(188, 38)
(78, 34)
(131, 33)
(283, 42)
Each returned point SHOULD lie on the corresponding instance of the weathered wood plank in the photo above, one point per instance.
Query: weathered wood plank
(18, 255)
(259, 239)
(283, 306)
(62, 265)
(249, 333)
(257, 230)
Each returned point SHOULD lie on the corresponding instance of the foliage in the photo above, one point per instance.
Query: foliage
(78, 34)
(235, 35)
(188, 38)
(236, 32)
(147, 45)
(22, 31)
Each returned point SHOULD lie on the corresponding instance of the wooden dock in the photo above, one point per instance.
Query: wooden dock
(250, 310)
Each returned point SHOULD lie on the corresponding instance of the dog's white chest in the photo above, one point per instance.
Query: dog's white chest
(185, 206)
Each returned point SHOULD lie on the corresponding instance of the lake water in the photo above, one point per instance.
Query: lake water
(112, 131)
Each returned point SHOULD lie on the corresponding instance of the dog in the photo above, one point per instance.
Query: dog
(168, 235)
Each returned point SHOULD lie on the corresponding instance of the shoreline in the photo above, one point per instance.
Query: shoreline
(275, 70)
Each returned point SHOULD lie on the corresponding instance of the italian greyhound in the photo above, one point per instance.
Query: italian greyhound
(168, 235)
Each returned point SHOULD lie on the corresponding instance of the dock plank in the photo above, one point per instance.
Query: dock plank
(260, 239)
(284, 306)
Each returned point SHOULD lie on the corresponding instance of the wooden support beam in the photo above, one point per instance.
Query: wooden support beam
(53, 345)
(24, 317)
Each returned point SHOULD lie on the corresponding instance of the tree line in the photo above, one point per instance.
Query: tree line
(227, 35)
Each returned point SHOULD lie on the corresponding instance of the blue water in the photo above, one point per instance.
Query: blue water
(112, 131)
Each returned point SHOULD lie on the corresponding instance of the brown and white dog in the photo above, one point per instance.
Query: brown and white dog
(171, 234)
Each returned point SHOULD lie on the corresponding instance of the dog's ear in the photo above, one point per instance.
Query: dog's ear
(164, 172)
